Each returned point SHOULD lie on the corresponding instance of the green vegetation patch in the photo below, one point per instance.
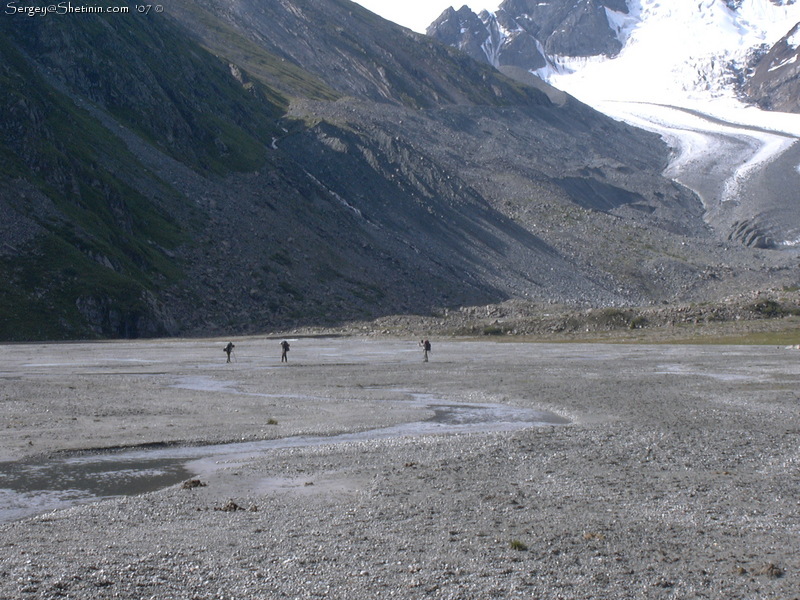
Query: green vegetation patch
(103, 244)
(270, 70)
(46, 290)
(158, 82)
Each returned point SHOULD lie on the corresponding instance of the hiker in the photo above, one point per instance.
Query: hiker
(426, 347)
(284, 350)
(228, 349)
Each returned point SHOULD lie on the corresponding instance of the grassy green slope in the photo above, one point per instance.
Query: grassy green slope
(223, 40)
(155, 80)
(104, 244)
(95, 218)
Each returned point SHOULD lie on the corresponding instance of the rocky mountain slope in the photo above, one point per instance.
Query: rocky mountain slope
(234, 166)
(529, 34)
(775, 80)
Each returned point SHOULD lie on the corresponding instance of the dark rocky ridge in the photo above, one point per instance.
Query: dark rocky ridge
(248, 166)
(775, 80)
(521, 33)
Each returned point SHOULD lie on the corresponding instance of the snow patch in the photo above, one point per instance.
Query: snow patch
(784, 63)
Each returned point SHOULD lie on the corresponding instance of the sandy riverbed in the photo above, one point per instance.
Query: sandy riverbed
(678, 476)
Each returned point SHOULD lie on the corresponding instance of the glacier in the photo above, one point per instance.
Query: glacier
(673, 76)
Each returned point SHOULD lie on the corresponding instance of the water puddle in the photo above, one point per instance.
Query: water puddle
(719, 376)
(33, 487)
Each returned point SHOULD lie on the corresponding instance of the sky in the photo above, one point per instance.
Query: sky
(415, 14)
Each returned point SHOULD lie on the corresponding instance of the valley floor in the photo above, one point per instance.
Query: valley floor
(677, 474)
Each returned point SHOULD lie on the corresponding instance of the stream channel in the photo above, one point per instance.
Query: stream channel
(37, 486)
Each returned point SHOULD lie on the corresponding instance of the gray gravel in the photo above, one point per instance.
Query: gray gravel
(676, 478)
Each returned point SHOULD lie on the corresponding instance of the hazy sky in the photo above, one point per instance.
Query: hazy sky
(416, 14)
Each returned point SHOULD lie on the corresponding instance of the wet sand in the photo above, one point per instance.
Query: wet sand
(677, 476)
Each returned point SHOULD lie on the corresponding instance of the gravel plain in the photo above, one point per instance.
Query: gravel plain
(677, 475)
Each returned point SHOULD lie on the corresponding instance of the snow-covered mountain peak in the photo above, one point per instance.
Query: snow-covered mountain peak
(677, 49)
(719, 80)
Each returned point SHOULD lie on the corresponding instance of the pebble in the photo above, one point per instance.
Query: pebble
(676, 478)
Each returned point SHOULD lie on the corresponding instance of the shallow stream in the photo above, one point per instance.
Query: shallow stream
(32, 487)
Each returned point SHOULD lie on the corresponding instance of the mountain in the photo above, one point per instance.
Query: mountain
(775, 80)
(529, 34)
(235, 166)
(90, 231)
(692, 73)
(715, 47)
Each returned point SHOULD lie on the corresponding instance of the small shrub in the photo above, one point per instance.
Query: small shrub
(518, 545)
(768, 308)
(638, 322)
(493, 330)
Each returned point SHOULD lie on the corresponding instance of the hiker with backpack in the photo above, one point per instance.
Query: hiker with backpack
(426, 347)
(284, 350)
